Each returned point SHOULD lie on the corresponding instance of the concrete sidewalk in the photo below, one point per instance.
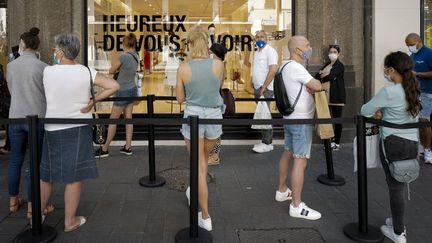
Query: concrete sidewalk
(241, 201)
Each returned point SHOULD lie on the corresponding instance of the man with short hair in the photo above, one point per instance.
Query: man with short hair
(422, 58)
(298, 138)
(264, 69)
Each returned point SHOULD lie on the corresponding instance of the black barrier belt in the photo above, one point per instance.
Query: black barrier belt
(13, 121)
(398, 126)
(179, 121)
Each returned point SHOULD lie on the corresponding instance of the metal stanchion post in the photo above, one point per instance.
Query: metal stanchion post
(152, 180)
(330, 179)
(361, 231)
(38, 232)
(193, 233)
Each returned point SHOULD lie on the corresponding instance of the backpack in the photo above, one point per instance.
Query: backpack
(281, 96)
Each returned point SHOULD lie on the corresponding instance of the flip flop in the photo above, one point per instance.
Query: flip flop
(82, 221)
(48, 209)
(14, 207)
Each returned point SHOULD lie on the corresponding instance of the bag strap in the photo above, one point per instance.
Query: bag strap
(92, 92)
(383, 149)
(301, 87)
(133, 57)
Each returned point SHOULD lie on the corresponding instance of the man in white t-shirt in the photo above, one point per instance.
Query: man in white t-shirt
(264, 69)
(298, 138)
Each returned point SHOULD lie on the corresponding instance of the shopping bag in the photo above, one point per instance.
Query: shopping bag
(325, 131)
(262, 112)
(372, 148)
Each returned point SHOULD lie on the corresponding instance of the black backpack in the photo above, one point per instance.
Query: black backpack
(280, 94)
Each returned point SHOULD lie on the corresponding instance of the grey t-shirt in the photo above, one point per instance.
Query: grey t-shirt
(25, 83)
(128, 68)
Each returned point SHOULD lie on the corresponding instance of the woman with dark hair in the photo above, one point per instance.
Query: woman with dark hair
(398, 103)
(331, 76)
(126, 66)
(24, 78)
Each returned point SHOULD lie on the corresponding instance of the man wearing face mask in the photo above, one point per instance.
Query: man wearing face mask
(298, 138)
(264, 69)
(422, 58)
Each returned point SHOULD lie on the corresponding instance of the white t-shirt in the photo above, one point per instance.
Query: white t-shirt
(294, 75)
(262, 60)
(67, 91)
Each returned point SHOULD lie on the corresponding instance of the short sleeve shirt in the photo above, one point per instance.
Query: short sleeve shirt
(262, 60)
(423, 63)
(129, 65)
(295, 75)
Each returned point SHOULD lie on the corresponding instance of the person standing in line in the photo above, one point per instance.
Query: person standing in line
(68, 155)
(24, 80)
(218, 52)
(264, 69)
(399, 104)
(331, 76)
(422, 58)
(298, 138)
(126, 65)
(198, 83)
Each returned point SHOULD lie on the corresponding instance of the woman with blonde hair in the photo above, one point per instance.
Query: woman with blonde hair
(198, 83)
(125, 67)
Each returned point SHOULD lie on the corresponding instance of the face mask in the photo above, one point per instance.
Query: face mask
(212, 56)
(260, 43)
(307, 54)
(333, 57)
(413, 49)
(211, 30)
(387, 77)
(55, 59)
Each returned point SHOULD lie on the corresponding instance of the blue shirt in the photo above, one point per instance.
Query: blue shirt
(393, 105)
(423, 63)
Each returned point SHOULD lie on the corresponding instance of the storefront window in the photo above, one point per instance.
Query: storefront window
(161, 27)
(3, 37)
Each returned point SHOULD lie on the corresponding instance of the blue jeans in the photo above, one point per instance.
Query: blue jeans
(18, 135)
(298, 139)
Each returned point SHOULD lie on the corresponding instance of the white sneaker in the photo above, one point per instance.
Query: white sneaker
(428, 156)
(262, 148)
(258, 145)
(283, 196)
(188, 195)
(304, 212)
(389, 233)
(204, 223)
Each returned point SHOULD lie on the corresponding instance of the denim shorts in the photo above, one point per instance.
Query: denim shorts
(426, 102)
(298, 139)
(210, 131)
(132, 92)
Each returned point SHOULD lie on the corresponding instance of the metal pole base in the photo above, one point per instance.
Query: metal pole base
(373, 235)
(48, 235)
(336, 181)
(146, 182)
(203, 236)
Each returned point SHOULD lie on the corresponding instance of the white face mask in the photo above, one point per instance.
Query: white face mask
(413, 49)
(333, 56)
(211, 30)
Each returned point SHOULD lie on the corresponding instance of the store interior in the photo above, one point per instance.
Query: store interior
(161, 28)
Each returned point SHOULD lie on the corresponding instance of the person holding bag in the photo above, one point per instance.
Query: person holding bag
(126, 66)
(67, 155)
(399, 104)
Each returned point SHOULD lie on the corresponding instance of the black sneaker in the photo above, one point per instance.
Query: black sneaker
(126, 151)
(99, 153)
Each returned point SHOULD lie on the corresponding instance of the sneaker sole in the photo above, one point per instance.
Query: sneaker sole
(101, 156)
(284, 199)
(304, 217)
(261, 152)
(126, 153)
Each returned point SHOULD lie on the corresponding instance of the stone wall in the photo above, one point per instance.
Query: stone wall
(51, 17)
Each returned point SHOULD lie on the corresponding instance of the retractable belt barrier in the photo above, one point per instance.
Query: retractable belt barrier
(360, 231)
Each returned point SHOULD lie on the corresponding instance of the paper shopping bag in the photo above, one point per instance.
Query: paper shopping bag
(325, 131)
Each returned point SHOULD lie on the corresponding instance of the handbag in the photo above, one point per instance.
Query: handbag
(229, 102)
(373, 159)
(404, 171)
(262, 112)
(99, 131)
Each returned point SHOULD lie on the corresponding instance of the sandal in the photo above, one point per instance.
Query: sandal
(48, 209)
(82, 221)
(14, 207)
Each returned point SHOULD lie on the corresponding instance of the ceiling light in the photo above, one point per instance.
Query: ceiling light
(150, 5)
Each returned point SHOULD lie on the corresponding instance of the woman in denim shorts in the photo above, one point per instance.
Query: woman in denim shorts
(125, 67)
(198, 83)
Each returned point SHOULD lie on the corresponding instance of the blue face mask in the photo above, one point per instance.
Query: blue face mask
(56, 61)
(307, 54)
(260, 43)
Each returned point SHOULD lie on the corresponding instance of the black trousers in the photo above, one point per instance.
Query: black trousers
(336, 111)
(397, 148)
